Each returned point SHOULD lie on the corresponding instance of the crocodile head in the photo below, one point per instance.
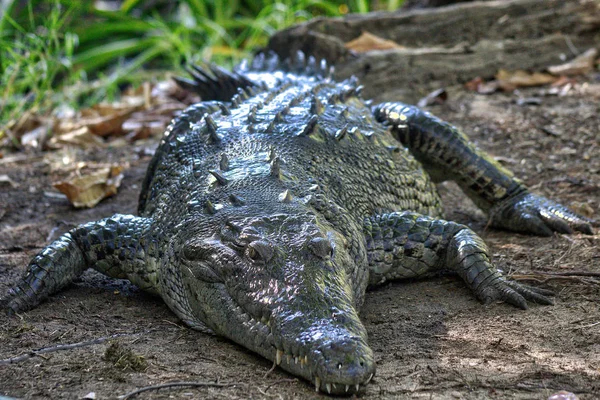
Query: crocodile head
(280, 284)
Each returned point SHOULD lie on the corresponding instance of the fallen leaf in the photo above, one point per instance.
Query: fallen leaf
(510, 80)
(5, 180)
(35, 138)
(563, 80)
(580, 65)
(88, 190)
(368, 42)
(108, 125)
(438, 96)
(81, 137)
(480, 86)
(582, 208)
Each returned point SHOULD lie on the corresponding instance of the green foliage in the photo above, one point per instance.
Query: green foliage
(33, 61)
(46, 46)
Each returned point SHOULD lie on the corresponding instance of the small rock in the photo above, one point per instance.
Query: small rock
(90, 396)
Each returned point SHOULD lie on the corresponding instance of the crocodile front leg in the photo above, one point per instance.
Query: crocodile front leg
(406, 245)
(114, 246)
(447, 153)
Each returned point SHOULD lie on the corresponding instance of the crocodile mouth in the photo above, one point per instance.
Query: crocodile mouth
(335, 361)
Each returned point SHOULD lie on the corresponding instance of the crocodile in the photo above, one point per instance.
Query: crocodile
(269, 208)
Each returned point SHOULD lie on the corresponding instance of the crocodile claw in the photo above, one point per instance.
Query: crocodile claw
(515, 293)
(538, 215)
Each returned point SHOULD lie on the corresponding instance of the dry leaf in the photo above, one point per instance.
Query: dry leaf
(107, 125)
(89, 190)
(35, 138)
(510, 80)
(5, 180)
(580, 65)
(368, 42)
(582, 208)
(81, 137)
(480, 86)
(438, 96)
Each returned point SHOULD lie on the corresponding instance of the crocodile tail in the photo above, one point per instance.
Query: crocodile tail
(212, 82)
(299, 64)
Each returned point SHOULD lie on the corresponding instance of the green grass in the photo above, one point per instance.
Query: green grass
(69, 52)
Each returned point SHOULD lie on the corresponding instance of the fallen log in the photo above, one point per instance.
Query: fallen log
(448, 45)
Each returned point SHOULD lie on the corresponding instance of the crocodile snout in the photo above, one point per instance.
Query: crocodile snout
(344, 365)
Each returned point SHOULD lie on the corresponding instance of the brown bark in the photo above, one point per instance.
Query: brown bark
(448, 45)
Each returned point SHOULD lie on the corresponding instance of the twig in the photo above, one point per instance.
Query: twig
(271, 370)
(586, 326)
(571, 46)
(572, 273)
(176, 384)
(542, 278)
(34, 353)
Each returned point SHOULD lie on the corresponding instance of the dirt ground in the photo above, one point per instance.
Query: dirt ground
(431, 338)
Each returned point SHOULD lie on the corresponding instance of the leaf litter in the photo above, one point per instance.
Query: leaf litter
(141, 113)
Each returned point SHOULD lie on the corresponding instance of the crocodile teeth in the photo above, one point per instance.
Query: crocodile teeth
(357, 387)
(347, 388)
(288, 358)
(317, 383)
(369, 380)
(295, 360)
(328, 387)
(278, 355)
(305, 359)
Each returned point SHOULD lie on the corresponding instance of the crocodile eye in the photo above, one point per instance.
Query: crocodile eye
(259, 251)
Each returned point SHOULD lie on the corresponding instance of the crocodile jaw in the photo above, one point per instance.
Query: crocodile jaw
(335, 359)
(325, 345)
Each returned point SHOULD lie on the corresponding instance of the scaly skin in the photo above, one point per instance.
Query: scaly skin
(267, 211)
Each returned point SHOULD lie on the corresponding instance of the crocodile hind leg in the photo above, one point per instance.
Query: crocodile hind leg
(112, 246)
(447, 153)
(407, 245)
